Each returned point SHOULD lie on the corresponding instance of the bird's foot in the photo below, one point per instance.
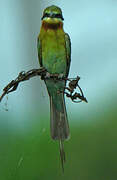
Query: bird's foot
(54, 76)
(47, 75)
(61, 76)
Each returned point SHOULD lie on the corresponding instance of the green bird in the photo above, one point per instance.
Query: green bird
(54, 53)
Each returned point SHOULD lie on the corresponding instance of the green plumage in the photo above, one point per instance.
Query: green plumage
(54, 52)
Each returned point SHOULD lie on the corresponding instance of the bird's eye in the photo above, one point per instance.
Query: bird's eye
(45, 15)
(59, 16)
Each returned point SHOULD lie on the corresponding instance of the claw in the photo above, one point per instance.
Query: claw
(61, 76)
(48, 75)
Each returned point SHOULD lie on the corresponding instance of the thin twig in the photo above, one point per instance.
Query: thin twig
(24, 76)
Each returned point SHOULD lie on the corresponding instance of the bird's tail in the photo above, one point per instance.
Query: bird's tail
(58, 117)
(58, 122)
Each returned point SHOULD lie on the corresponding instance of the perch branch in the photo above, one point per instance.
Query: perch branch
(24, 76)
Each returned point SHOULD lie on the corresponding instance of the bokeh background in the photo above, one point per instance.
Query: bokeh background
(26, 149)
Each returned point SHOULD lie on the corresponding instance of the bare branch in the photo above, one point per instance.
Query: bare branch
(24, 76)
(73, 84)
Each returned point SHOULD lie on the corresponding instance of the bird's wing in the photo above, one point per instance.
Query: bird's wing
(68, 52)
(39, 47)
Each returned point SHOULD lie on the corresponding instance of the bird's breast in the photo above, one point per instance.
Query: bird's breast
(53, 51)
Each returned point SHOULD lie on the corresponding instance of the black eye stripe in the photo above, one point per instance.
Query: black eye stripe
(53, 16)
(46, 15)
(58, 16)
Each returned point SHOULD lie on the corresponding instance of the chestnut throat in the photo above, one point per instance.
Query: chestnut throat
(53, 26)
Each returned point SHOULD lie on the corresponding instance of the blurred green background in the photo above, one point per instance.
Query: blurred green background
(26, 149)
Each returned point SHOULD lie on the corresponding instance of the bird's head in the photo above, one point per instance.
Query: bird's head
(52, 15)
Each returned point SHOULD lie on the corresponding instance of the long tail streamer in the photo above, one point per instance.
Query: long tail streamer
(62, 153)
